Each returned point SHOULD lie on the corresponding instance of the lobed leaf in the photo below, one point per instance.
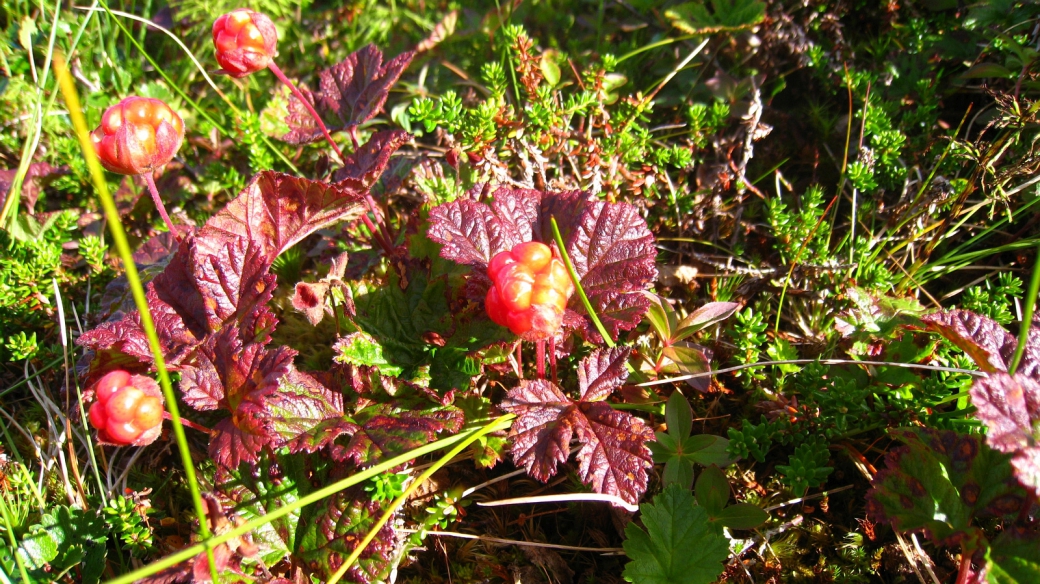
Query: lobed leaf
(331, 530)
(679, 545)
(350, 93)
(938, 482)
(610, 244)
(982, 338)
(602, 372)
(613, 456)
(1010, 408)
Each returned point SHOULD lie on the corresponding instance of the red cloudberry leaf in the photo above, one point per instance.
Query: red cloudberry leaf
(210, 301)
(331, 531)
(470, 232)
(385, 435)
(300, 403)
(362, 168)
(543, 429)
(350, 93)
(613, 457)
(1010, 408)
(939, 481)
(602, 372)
(275, 211)
(610, 244)
(324, 434)
(982, 338)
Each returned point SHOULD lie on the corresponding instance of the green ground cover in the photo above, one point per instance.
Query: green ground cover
(802, 240)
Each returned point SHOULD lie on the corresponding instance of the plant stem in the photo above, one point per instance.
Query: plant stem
(190, 424)
(386, 241)
(965, 569)
(159, 204)
(310, 109)
(540, 358)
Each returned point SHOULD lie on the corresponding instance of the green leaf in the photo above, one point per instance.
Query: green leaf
(679, 545)
(939, 481)
(678, 471)
(688, 357)
(712, 490)
(66, 540)
(705, 449)
(550, 70)
(705, 316)
(741, 516)
(362, 349)
(1014, 559)
(661, 316)
(679, 415)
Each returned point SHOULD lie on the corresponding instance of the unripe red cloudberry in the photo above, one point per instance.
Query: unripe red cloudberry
(138, 135)
(128, 409)
(245, 41)
(529, 292)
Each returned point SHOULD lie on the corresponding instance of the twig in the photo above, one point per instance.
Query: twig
(806, 362)
(488, 538)
(808, 497)
(563, 498)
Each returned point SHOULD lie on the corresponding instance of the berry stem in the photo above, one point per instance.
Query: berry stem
(189, 423)
(310, 109)
(385, 234)
(552, 357)
(159, 204)
(540, 358)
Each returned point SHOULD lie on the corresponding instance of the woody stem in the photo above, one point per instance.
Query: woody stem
(158, 203)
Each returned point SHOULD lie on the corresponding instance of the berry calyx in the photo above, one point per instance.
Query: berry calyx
(529, 292)
(137, 135)
(128, 409)
(245, 41)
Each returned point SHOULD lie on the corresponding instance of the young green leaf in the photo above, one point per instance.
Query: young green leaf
(712, 490)
(678, 415)
(741, 516)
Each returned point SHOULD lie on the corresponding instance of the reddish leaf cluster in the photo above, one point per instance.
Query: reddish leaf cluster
(609, 244)
(613, 457)
(1009, 406)
(210, 309)
(349, 94)
(939, 482)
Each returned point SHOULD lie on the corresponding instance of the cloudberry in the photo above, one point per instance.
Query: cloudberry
(137, 135)
(128, 409)
(245, 41)
(529, 292)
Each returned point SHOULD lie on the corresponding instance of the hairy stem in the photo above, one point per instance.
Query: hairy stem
(159, 204)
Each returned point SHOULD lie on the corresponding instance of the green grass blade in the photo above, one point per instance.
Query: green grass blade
(1027, 316)
(577, 285)
(498, 424)
(190, 552)
(68, 90)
